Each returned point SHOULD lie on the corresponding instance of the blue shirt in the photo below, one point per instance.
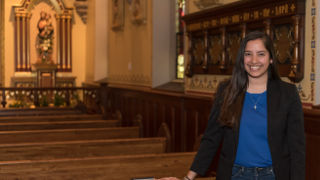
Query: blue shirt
(253, 147)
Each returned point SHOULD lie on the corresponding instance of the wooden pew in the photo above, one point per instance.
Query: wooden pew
(78, 149)
(17, 126)
(312, 133)
(100, 168)
(12, 137)
(68, 117)
(39, 111)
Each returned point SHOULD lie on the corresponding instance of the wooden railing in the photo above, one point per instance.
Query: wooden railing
(53, 97)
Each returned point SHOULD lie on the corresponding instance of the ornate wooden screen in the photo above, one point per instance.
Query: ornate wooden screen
(215, 35)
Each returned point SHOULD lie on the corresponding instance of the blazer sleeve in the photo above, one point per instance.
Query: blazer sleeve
(296, 138)
(211, 139)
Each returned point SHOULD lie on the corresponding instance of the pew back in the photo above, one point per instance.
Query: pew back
(114, 167)
(78, 149)
(12, 137)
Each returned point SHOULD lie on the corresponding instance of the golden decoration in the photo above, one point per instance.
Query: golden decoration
(266, 12)
(235, 18)
(224, 20)
(215, 49)
(246, 16)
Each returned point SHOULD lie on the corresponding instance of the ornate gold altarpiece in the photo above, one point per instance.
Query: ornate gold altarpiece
(63, 41)
(45, 73)
(215, 34)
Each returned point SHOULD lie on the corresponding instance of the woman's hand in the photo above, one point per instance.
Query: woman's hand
(168, 178)
(191, 176)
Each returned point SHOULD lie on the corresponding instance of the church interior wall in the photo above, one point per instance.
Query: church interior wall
(9, 41)
(90, 41)
(1, 42)
(79, 47)
(101, 39)
(130, 48)
(97, 41)
(163, 44)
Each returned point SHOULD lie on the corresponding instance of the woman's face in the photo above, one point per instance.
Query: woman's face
(256, 59)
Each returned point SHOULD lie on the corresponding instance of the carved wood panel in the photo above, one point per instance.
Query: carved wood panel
(215, 35)
(185, 116)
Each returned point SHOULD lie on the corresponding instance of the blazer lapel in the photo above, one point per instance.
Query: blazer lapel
(273, 97)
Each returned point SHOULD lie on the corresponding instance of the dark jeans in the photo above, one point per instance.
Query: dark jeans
(254, 173)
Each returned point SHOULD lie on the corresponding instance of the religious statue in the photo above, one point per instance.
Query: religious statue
(136, 9)
(45, 37)
(115, 12)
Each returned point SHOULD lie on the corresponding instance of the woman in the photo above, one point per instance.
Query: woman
(259, 119)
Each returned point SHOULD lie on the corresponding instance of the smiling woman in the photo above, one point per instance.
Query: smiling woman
(256, 63)
(250, 112)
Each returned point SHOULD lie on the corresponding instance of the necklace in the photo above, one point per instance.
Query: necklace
(255, 102)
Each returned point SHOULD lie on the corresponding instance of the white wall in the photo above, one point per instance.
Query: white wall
(9, 40)
(163, 42)
(101, 39)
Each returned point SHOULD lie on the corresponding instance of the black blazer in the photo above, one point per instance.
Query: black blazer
(285, 135)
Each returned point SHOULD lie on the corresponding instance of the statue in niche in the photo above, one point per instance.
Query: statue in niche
(45, 37)
(136, 9)
(116, 15)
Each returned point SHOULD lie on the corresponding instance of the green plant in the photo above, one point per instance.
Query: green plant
(20, 100)
(58, 100)
(17, 104)
(44, 102)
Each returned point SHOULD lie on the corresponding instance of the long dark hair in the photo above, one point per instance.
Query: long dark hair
(233, 95)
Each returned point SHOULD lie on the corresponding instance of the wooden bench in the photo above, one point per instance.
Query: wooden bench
(69, 117)
(17, 126)
(12, 137)
(39, 111)
(98, 168)
(78, 149)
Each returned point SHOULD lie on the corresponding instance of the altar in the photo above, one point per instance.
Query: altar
(43, 34)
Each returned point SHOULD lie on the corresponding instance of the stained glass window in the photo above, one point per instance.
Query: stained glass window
(180, 12)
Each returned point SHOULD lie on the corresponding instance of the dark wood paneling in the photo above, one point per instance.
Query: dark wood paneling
(312, 131)
(177, 110)
(209, 35)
